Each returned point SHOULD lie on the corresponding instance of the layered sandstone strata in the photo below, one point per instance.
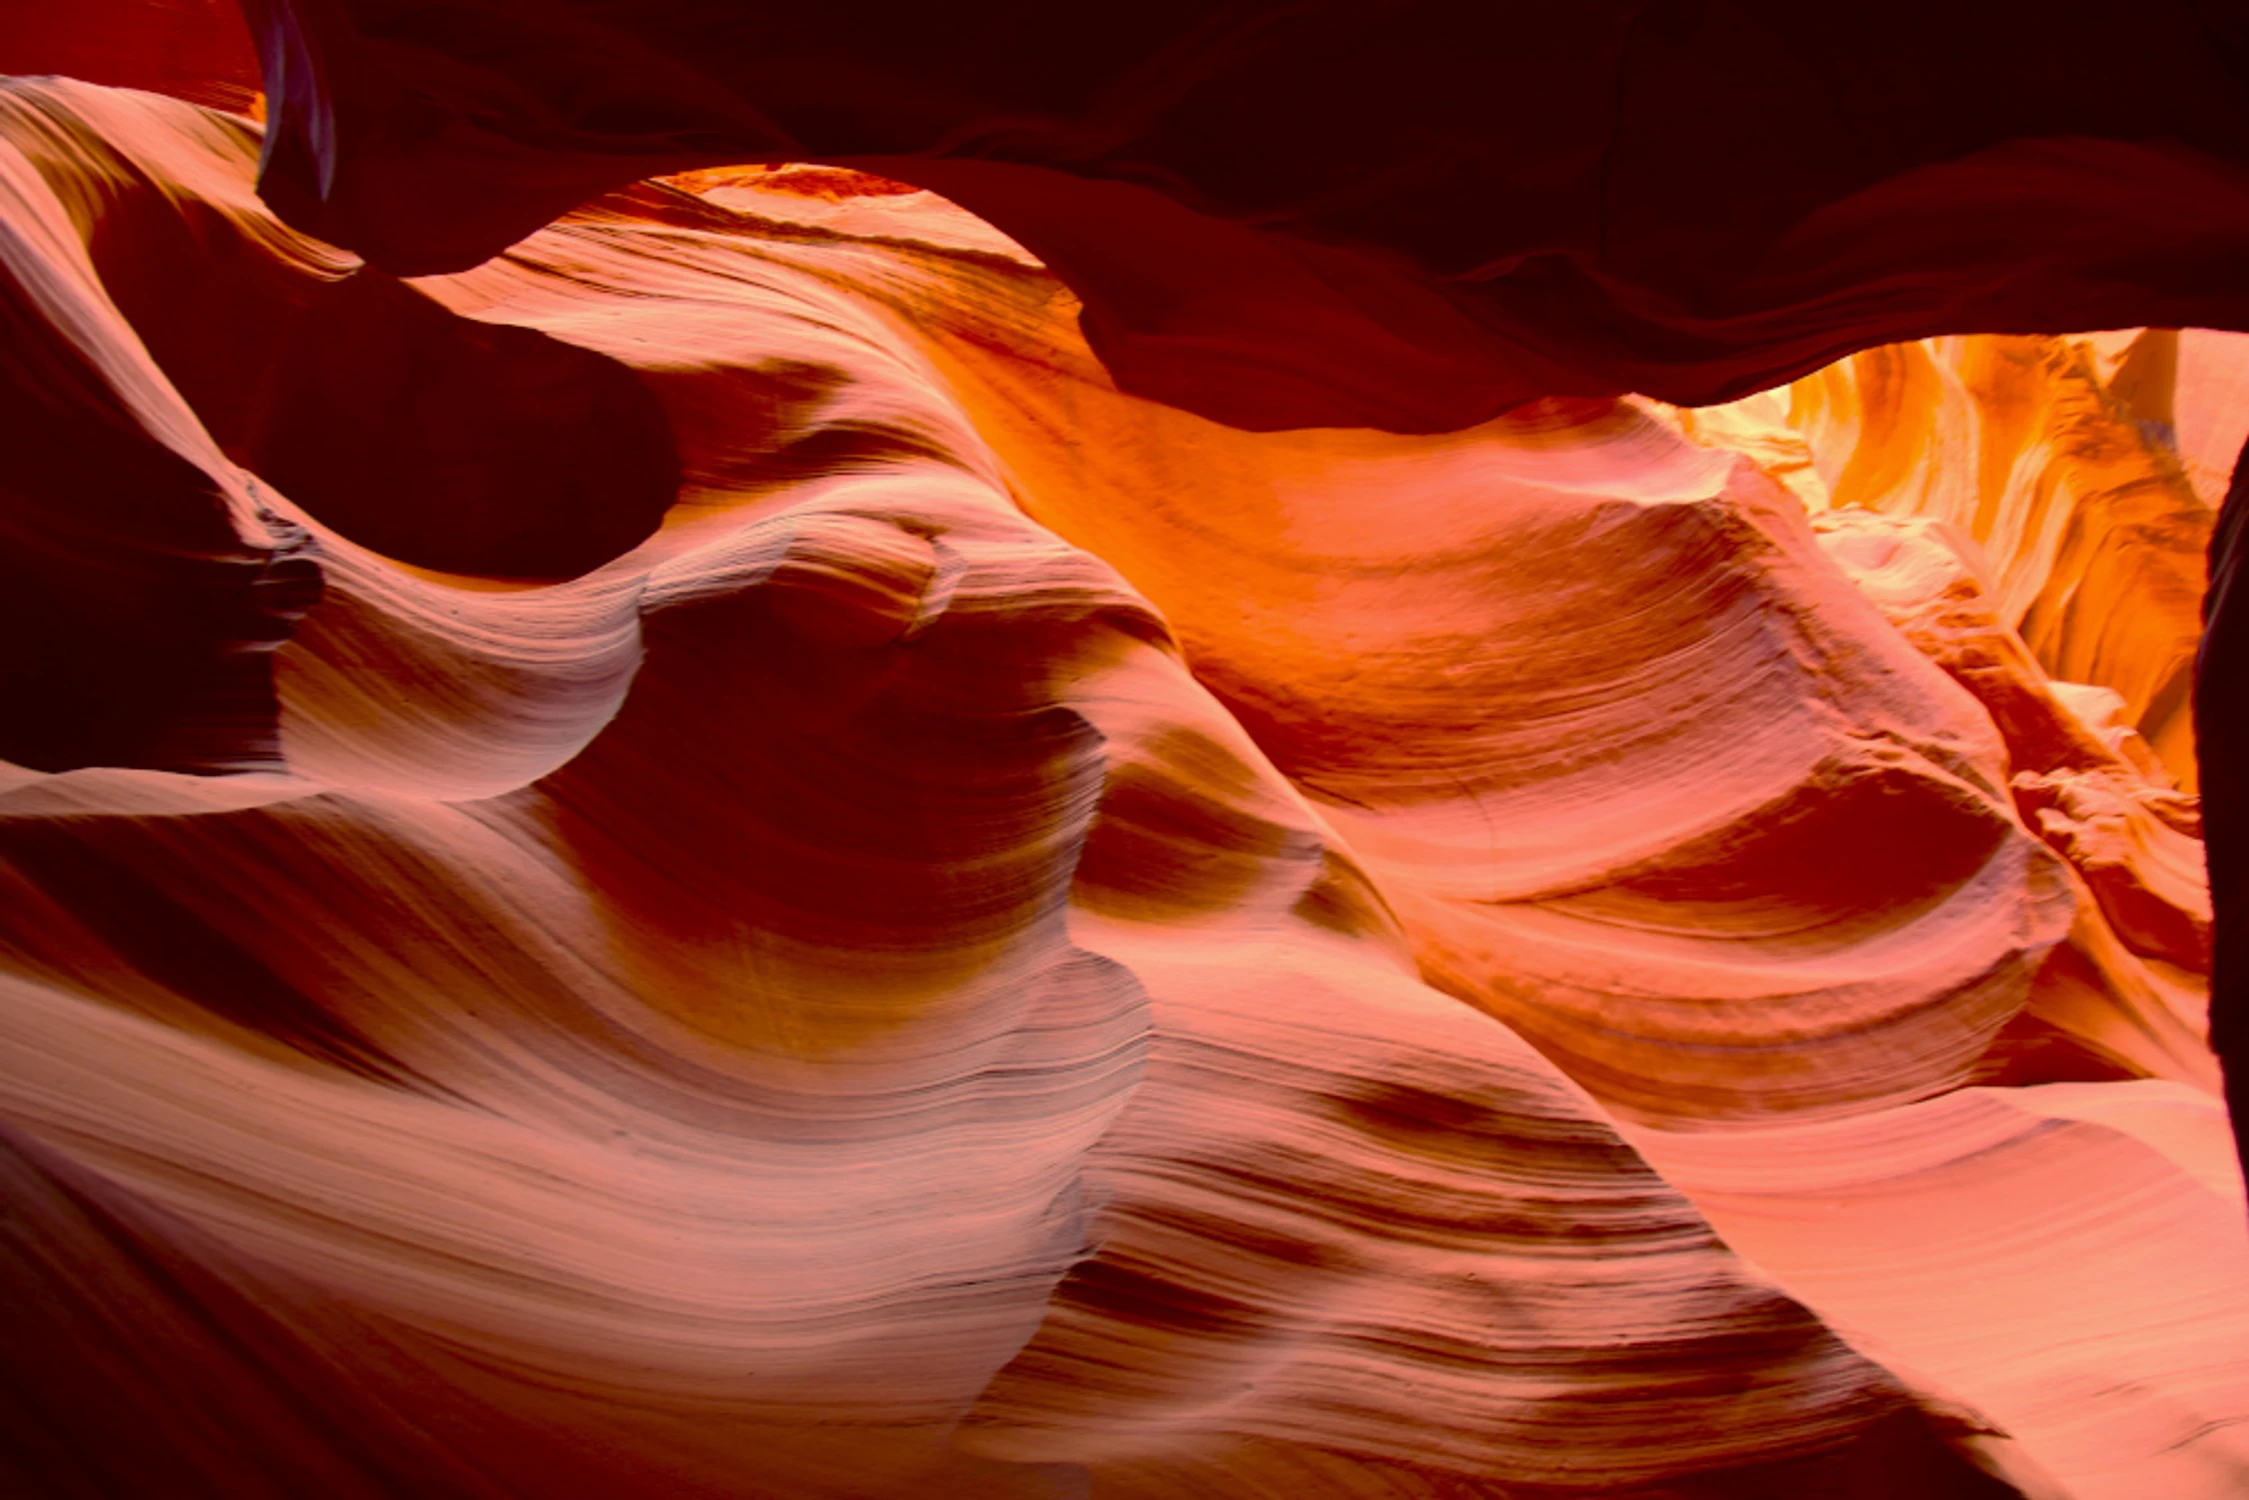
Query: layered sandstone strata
(1013, 939)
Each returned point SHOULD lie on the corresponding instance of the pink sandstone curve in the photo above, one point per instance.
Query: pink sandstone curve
(1018, 941)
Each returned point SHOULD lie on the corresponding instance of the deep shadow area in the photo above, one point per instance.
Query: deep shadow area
(429, 437)
(135, 619)
(142, 587)
(453, 444)
(2221, 734)
(1310, 213)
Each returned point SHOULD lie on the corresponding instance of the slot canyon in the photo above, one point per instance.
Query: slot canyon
(1398, 750)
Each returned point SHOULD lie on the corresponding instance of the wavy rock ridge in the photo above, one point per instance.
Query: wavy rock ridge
(1015, 940)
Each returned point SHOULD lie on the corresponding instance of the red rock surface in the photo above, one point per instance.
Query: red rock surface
(707, 859)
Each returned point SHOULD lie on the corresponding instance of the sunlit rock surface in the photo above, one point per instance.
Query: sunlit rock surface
(1013, 940)
(2091, 526)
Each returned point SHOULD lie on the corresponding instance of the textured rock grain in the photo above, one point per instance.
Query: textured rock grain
(1018, 941)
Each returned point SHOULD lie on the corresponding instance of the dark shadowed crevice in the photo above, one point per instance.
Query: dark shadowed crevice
(426, 436)
(2221, 740)
(453, 444)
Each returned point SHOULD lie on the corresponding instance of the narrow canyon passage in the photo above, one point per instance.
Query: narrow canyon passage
(763, 842)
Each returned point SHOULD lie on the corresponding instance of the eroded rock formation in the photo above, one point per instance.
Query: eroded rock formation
(708, 859)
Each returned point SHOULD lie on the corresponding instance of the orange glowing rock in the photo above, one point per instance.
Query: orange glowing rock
(2094, 535)
(1595, 711)
(1017, 941)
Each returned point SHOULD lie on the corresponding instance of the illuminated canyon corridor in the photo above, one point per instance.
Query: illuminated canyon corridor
(1193, 751)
